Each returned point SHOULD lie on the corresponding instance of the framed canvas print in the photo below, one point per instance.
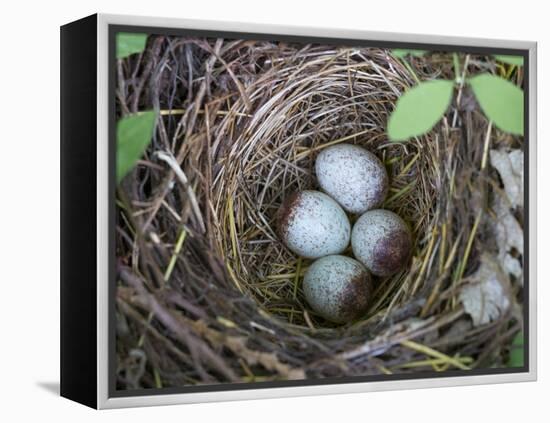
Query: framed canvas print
(254, 211)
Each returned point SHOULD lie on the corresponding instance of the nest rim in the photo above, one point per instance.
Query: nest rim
(361, 121)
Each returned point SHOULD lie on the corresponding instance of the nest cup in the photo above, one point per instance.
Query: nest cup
(202, 266)
(302, 107)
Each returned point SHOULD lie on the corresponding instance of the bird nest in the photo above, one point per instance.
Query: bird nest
(206, 291)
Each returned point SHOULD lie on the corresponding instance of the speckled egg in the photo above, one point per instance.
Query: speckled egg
(382, 241)
(353, 176)
(338, 288)
(312, 225)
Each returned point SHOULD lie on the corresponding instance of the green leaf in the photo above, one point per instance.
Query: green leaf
(501, 101)
(401, 52)
(516, 352)
(419, 109)
(129, 43)
(512, 60)
(133, 134)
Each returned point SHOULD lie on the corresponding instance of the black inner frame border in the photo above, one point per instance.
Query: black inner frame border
(113, 29)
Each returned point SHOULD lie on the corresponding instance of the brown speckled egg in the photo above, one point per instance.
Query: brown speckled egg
(382, 241)
(338, 288)
(353, 176)
(312, 225)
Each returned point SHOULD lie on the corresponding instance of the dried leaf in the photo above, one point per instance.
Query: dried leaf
(267, 360)
(507, 230)
(237, 344)
(512, 266)
(457, 332)
(510, 168)
(488, 297)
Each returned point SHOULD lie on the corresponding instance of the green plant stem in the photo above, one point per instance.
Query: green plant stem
(174, 258)
(410, 69)
(456, 63)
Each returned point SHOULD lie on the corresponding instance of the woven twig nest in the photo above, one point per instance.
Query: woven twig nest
(207, 292)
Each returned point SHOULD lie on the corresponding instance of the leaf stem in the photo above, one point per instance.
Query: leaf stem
(456, 63)
(410, 69)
